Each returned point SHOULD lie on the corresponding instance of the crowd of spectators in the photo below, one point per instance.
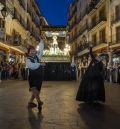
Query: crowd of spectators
(12, 70)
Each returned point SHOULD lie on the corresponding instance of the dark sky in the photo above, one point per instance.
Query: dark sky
(55, 11)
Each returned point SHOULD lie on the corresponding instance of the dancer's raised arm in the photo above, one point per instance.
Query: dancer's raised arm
(41, 48)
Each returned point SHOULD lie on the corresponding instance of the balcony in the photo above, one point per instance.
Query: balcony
(23, 23)
(116, 20)
(16, 15)
(28, 26)
(73, 38)
(92, 5)
(29, 10)
(81, 17)
(16, 40)
(36, 20)
(20, 19)
(72, 14)
(35, 34)
(83, 47)
(72, 26)
(97, 23)
(82, 30)
(22, 3)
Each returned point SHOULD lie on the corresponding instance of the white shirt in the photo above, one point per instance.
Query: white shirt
(39, 54)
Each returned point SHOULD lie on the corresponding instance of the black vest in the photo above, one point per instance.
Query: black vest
(33, 59)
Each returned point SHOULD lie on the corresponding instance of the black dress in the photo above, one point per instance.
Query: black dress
(119, 74)
(92, 84)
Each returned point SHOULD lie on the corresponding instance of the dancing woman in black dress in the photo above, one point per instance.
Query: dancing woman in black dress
(91, 88)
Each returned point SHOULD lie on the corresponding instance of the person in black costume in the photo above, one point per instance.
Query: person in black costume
(119, 73)
(35, 74)
(92, 84)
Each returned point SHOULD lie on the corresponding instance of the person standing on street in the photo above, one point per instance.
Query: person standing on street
(35, 74)
(91, 88)
(0, 73)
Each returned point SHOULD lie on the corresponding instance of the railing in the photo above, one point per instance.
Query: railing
(113, 39)
(83, 47)
(16, 15)
(95, 23)
(73, 24)
(73, 38)
(9, 39)
(92, 5)
(36, 20)
(86, 45)
(82, 30)
(102, 41)
(17, 40)
(23, 23)
(22, 3)
(72, 14)
(116, 20)
(29, 10)
(82, 16)
(20, 19)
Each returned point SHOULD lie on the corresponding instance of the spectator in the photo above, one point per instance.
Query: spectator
(0, 72)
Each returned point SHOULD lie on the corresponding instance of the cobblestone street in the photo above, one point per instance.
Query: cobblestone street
(60, 110)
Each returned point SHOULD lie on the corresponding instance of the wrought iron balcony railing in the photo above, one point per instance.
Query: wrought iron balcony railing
(95, 23)
(92, 5)
(22, 3)
(20, 19)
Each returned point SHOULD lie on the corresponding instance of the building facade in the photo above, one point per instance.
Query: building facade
(97, 23)
(19, 29)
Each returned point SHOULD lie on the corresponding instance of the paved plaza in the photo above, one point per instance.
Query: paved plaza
(60, 110)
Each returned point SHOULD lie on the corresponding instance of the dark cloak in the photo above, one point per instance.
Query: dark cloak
(92, 84)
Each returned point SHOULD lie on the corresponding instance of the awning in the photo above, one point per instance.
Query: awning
(7, 47)
(4, 46)
(100, 46)
(18, 49)
(115, 45)
(83, 52)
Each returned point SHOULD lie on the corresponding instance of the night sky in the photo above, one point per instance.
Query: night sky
(55, 11)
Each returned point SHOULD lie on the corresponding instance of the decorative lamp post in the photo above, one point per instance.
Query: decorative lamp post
(4, 12)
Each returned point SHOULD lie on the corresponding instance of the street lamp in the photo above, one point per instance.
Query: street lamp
(4, 12)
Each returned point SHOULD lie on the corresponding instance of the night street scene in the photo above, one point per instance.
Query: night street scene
(59, 64)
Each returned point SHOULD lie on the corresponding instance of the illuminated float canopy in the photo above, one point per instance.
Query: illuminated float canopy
(57, 49)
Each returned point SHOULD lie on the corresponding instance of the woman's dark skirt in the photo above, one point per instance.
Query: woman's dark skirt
(91, 89)
(35, 78)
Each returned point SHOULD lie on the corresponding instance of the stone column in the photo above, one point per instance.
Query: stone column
(23, 59)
